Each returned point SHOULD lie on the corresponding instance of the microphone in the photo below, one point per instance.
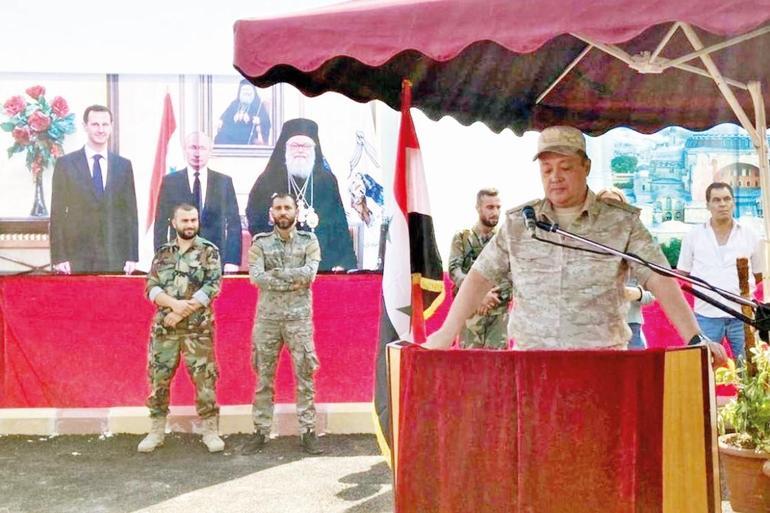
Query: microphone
(528, 213)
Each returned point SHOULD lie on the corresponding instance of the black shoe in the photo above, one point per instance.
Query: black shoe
(255, 445)
(309, 443)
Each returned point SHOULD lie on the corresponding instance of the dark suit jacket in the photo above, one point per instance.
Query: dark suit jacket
(94, 235)
(219, 221)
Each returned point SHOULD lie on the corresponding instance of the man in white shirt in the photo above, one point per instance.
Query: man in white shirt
(709, 252)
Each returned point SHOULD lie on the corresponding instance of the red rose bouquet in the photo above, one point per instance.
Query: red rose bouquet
(38, 127)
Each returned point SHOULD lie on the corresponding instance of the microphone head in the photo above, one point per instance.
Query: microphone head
(528, 213)
(530, 221)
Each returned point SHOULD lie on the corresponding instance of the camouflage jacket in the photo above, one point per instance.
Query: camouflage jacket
(466, 248)
(566, 298)
(284, 270)
(196, 273)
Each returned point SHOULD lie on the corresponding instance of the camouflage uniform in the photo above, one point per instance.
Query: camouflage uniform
(480, 331)
(567, 298)
(284, 271)
(194, 274)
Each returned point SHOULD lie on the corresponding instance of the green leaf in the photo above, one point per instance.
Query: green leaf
(65, 126)
(8, 126)
(55, 132)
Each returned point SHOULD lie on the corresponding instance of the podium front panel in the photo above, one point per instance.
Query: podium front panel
(553, 431)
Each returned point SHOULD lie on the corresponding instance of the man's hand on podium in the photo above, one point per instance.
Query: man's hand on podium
(438, 340)
(718, 354)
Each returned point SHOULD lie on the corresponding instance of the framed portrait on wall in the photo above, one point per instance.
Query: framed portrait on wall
(244, 120)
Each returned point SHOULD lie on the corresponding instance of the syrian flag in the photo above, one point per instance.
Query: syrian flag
(160, 168)
(412, 279)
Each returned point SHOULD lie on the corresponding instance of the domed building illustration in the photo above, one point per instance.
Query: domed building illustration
(667, 173)
(669, 192)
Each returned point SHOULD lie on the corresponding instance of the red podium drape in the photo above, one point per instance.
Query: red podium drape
(552, 431)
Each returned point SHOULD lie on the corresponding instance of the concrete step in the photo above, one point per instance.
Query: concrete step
(336, 418)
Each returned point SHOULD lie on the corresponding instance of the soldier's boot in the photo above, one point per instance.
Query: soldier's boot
(210, 434)
(309, 442)
(256, 444)
(155, 437)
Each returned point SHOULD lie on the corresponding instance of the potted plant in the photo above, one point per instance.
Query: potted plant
(745, 452)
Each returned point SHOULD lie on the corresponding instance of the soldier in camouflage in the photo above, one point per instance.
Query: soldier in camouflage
(283, 264)
(566, 298)
(487, 326)
(184, 278)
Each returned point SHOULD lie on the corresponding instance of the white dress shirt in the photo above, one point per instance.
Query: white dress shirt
(703, 257)
(90, 152)
(204, 177)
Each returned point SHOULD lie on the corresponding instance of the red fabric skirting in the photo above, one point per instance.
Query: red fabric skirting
(82, 341)
(535, 432)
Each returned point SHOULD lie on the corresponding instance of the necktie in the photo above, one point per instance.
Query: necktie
(197, 191)
(97, 177)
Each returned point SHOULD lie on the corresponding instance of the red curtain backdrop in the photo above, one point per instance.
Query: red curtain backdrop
(82, 341)
(69, 341)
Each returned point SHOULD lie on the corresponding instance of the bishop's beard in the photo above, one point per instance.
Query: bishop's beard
(301, 167)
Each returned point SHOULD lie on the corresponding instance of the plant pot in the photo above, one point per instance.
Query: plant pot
(748, 478)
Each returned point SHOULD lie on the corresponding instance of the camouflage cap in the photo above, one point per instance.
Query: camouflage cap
(564, 140)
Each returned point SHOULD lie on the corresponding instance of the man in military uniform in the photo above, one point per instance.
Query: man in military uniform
(184, 278)
(566, 298)
(283, 264)
(487, 326)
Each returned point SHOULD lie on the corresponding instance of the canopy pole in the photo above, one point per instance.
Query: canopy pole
(664, 41)
(697, 71)
(613, 50)
(718, 46)
(720, 81)
(645, 64)
(760, 142)
(564, 73)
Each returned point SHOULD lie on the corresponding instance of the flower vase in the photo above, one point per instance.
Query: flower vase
(38, 206)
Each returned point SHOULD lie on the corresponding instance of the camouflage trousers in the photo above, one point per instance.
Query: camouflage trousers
(268, 338)
(485, 332)
(198, 351)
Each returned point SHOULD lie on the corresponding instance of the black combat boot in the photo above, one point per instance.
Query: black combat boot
(309, 442)
(256, 444)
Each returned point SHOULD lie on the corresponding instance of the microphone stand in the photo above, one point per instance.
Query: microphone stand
(761, 319)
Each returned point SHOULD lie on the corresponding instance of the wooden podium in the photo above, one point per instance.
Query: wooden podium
(553, 431)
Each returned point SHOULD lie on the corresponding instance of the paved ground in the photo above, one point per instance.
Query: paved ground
(98, 474)
(92, 474)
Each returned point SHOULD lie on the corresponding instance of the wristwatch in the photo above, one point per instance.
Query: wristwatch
(698, 339)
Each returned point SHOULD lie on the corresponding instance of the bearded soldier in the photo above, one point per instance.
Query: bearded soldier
(487, 327)
(283, 264)
(297, 167)
(184, 278)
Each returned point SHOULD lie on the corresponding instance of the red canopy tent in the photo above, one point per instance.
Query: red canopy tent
(526, 65)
